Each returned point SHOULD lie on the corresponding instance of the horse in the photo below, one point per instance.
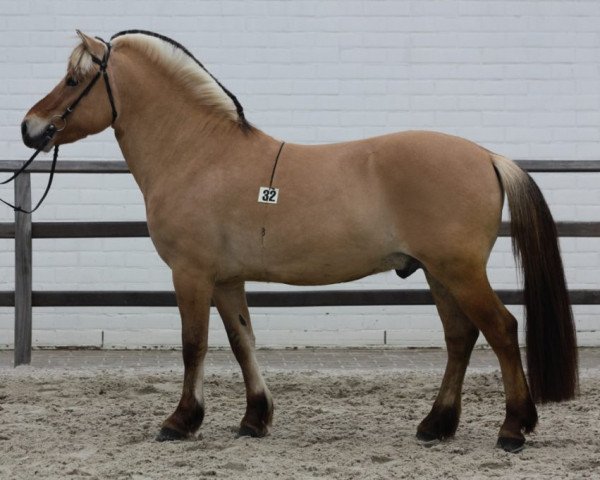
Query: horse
(226, 203)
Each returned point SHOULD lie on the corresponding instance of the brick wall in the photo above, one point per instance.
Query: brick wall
(519, 77)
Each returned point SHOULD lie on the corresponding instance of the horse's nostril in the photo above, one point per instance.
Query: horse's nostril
(24, 128)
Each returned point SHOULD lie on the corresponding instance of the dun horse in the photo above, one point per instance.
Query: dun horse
(227, 203)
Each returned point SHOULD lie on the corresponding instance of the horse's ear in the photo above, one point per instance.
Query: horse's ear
(92, 45)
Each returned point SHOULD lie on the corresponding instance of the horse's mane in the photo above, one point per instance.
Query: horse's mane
(185, 67)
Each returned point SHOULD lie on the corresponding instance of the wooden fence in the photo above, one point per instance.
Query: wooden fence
(23, 230)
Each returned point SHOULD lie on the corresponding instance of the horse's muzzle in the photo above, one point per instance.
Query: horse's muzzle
(34, 141)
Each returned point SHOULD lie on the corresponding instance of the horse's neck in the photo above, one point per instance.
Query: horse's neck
(160, 134)
(159, 141)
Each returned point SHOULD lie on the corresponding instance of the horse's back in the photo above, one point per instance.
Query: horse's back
(356, 206)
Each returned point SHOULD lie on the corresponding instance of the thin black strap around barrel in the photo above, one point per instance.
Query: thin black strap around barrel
(275, 164)
(17, 208)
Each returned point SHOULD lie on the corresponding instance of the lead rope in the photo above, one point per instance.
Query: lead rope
(17, 208)
(50, 131)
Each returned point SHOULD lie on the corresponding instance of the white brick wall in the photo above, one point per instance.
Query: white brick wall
(520, 77)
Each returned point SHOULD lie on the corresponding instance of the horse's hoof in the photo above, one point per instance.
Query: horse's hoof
(248, 431)
(428, 439)
(426, 436)
(167, 434)
(511, 445)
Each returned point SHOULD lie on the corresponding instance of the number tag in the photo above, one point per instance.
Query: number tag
(268, 195)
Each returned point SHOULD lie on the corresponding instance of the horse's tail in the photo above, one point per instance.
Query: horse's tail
(551, 341)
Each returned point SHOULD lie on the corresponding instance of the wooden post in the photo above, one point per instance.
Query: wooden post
(23, 274)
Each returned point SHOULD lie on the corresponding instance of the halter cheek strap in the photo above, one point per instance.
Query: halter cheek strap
(103, 64)
(51, 129)
(102, 71)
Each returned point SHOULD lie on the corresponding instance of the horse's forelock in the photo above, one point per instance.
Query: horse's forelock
(80, 61)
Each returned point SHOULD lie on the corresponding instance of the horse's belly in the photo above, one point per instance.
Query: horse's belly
(329, 267)
(344, 242)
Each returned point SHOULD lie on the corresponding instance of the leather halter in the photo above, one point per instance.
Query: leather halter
(52, 129)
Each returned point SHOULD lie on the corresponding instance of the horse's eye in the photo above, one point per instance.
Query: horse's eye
(71, 82)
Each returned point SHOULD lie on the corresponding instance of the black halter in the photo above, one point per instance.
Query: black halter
(52, 129)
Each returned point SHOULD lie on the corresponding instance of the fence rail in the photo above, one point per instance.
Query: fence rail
(23, 230)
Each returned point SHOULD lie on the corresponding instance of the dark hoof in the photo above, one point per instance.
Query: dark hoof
(248, 431)
(167, 434)
(428, 439)
(511, 445)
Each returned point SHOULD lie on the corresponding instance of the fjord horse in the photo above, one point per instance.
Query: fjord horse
(227, 203)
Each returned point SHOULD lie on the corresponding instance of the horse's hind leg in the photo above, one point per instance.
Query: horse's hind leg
(193, 299)
(231, 303)
(469, 285)
(460, 335)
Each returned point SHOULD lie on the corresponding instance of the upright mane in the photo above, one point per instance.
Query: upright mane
(185, 67)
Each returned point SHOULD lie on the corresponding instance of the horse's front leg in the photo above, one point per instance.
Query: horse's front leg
(231, 304)
(193, 298)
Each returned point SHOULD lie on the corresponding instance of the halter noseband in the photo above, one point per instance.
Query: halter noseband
(52, 129)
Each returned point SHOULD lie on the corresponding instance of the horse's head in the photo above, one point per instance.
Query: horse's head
(73, 119)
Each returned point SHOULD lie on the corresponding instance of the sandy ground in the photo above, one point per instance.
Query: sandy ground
(340, 425)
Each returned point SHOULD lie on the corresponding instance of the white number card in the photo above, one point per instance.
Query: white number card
(268, 195)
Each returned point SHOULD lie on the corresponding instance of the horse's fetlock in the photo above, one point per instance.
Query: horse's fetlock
(259, 415)
(528, 416)
(440, 423)
(187, 418)
(521, 417)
